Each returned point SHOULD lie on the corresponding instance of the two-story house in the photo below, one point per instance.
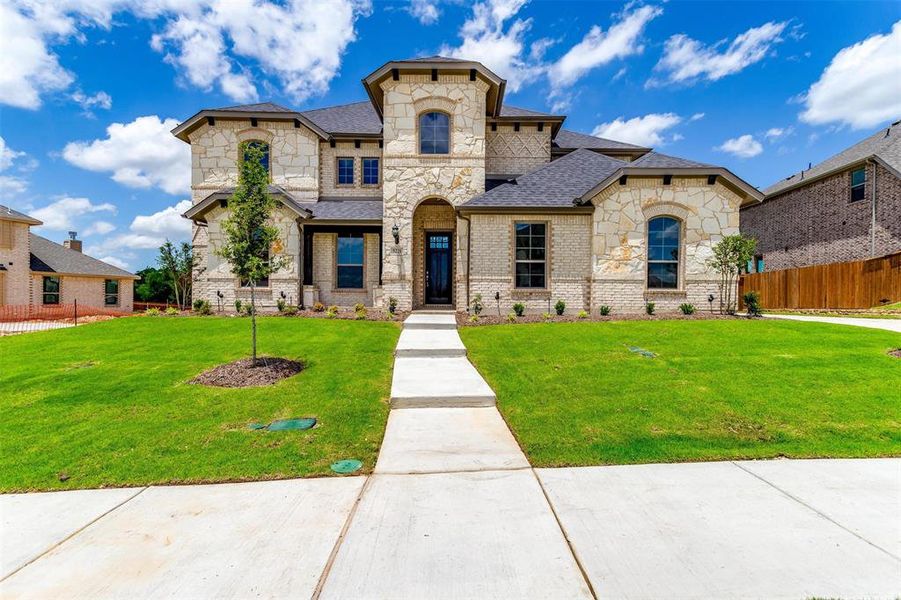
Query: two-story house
(435, 190)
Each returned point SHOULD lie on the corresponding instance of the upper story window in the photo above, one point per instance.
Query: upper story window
(434, 133)
(264, 148)
(111, 292)
(370, 171)
(531, 255)
(858, 184)
(345, 171)
(50, 290)
(663, 253)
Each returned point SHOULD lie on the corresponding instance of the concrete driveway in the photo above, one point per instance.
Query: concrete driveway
(886, 324)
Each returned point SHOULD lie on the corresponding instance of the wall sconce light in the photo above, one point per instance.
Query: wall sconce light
(395, 231)
(282, 294)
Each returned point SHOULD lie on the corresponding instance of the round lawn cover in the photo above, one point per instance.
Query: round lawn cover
(347, 465)
(286, 424)
(256, 426)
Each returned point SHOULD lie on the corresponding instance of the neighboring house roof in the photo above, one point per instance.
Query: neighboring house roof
(50, 257)
(884, 146)
(8, 214)
(570, 140)
(356, 118)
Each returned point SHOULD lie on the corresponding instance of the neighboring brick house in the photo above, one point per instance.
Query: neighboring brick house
(35, 271)
(846, 208)
(434, 190)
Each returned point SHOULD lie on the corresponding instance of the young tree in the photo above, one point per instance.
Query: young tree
(729, 256)
(178, 263)
(248, 234)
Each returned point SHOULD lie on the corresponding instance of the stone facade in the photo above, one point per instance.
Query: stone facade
(511, 152)
(328, 172)
(16, 279)
(818, 224)
(619, 245)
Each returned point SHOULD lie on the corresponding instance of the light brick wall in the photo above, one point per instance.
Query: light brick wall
(431, 217)
(516, 152)
(88, 291)
(325, 271)
(328, 168)
(17, 277)
(492, 266)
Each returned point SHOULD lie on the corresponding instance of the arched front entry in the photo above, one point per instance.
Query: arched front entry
(434, 228)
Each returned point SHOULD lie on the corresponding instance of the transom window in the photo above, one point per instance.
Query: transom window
(345, 171)
(663, 253)
(51, 290)
(350, 261)
(370, 171)
(858, 184)
(111, 292)
(531, 255)
(264, 148)
(434, 133)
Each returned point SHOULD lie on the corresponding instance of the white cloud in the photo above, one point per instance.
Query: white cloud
(63, 213)
(644, 131)
(425, 11)
(12, 186)
(686, 60)
(860, 87)
(98, 228)
(139, 154)
(599, 48)
(167, 223)
(744, 146)
(697, 116)
(98, 100)
(776, 133)
(116, 262)
(7, 155)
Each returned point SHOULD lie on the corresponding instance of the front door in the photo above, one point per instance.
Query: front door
(438, 268)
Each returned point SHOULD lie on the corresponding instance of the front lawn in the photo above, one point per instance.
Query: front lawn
(575, 394)
(108, 404)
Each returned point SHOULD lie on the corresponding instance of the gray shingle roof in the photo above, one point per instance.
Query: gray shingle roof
(346, 209)
(14, 215)
(50, 257)
(515, 111)
(556, 184)
(435, 59)
(655, 160)
(885, 144)
(358, 117)
(568, 139)
(258, 107)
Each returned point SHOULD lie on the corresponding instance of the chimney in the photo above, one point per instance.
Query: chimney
(72, 243)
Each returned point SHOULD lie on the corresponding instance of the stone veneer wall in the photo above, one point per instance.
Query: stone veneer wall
(89, 291)
(325, 275)
(328, 169)
(17, 277)
(432, 217)
(619, 254)
(512, 152)
(491, 259)
(817, 224)
(410, 177)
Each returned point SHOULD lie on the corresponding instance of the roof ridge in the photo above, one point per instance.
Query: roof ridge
(336, 106)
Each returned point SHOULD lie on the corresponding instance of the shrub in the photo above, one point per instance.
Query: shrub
(649, 308)
(392, 304)
(319, 307)
(474, 319)
(202, 307)
(359, 306)
(197, 304)
(360, 313)
(547, 316)
(152, 312)
(290, 311)
(281, 304)
(476, 304)
(519, 308)
(238, 306)
(332, 312)
(560, 306)
(511, 317)
(604, 310)
(583, 314)
(171, 311)
(687, 309)
(752, 303)
(248, 309)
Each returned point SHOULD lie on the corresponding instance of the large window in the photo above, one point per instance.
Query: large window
(531, 255)
(350, 261)
(434, 133)
(111, 292)
(51, 290)
(663, 253)
(264, 147)
(370, 171)
(858, 184)
(345, 171)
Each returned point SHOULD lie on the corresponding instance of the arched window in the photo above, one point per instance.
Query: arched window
(263, 146)
(434, 133)
(663, 253)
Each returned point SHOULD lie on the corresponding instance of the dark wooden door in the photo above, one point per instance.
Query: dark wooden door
(438, 268)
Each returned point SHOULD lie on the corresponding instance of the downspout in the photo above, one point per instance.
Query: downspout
(873, 211)
(468, 254)
(300, 233)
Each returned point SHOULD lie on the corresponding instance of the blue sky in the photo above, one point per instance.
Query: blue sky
(90, 88)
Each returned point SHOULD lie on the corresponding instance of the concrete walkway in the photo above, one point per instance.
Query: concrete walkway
(886, 324)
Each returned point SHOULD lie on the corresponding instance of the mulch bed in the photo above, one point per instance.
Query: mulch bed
(489, 319)
(896, 353)
(242, 373)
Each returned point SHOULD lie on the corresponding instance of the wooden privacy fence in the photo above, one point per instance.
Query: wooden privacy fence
(856, 284)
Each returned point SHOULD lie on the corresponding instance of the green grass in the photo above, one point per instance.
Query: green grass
(107, 403)
(574, 394)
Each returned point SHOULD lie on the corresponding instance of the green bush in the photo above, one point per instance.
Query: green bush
(649, 308)
(172, 311)
(474, 319)
(332, 312)
(152, 312)
(290, 310)
(560, 306)
(248, 309)
(319, 307)
(511, 317)
(519, 308)
(360, 313)
(547, 316)
(237, 306)
(476, 304)
(752, 303)
(202, 307)
(687, 309)
(392, 304)
(359, 306)
(583, 314)
(604, 310)
(280, 304)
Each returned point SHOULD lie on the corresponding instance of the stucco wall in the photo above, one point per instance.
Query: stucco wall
(16, 278)
(511, 152)
(619, 248)
(328, 169)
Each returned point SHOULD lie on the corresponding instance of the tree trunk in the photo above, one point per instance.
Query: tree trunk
(253, 324)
